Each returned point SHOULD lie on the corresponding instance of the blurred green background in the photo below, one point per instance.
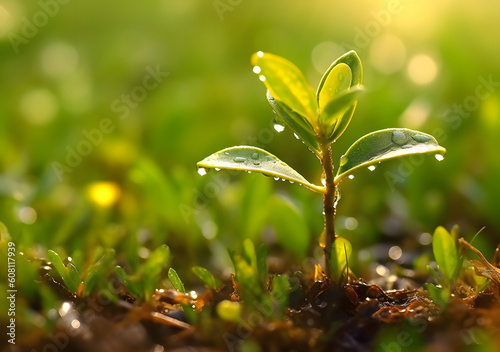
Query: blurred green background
(106, 108)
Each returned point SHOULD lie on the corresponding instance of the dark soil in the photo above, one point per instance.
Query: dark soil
(322, 316)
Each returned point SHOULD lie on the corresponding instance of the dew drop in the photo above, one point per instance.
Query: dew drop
(350, 177)
(262, 78)
(283, 180)
(256, 163)
(420, 138)
(398, 137)
(256, 69)
(217, 169)
(295, 135)
(439, 157)
(240, 159)
(260, 53)
(372, 167)
(276, 178)
(291, 181)
(343, 160)
(323, 181)
(249, 172)
(226, 153)
(278, 127)
(337, 198)
(255, 156)
(202, 171)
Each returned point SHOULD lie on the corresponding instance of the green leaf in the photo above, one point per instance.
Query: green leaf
(248, 158)
(176, 280)
(206, 277)
(69, 274)
(440, 295)
(98, 272)
(445, 253)
(298, 123)
(247, 276)
(249, 253)
(280, 292)
(335, 109)
(152, 268)
(290, 226)
(341, 252)
(352, 60)
(133, 286)
(286, 83)
(337, 82)
(383, 145)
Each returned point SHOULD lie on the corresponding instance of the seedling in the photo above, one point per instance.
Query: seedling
(319, 119)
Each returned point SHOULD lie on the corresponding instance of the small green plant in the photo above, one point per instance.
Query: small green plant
(448, 259)
(143, 283)
(319, 119)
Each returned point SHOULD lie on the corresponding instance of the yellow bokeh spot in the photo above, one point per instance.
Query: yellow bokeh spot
(104, 193)
(422, 69)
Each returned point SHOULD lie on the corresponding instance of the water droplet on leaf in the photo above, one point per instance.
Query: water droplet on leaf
(337, 198)
(399, 137)
(217, 169)
(439, 157)
(278, 127)
(256, 69)
(255, 156)
(420, 138)
(295, 135)
(262, 78)
(343, 160)
(372, 167)
(350, 177)
(240, 159)
(276, 178)
(202, 171)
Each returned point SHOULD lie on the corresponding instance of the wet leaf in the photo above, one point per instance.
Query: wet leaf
(176, 280)
(445, 253)
(286, 83)
(69, 274)
(248, 158)
(439, 295)
(352, 60)
(207, 278)
(296, 122)
(333, 112)
(383, 145)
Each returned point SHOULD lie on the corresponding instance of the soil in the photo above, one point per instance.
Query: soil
(322, 316)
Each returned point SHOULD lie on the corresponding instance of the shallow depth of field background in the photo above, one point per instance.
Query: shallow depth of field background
(132, 186)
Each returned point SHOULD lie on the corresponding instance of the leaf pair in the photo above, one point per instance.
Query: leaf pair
(323, 114)
(367, 151)
(143, 283)
(69, 273)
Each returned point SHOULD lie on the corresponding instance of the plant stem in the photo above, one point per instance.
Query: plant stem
(328, 205)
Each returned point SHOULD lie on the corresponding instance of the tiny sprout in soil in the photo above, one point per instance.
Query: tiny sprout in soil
(318, 119)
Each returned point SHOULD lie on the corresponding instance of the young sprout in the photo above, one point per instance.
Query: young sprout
(319, 119)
